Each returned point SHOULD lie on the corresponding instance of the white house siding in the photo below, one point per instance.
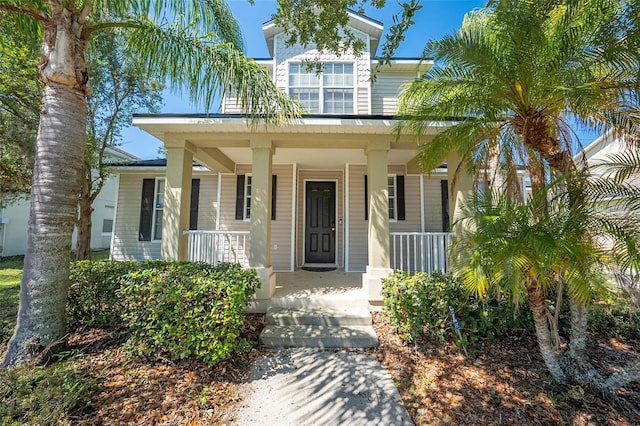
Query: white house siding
(17, 217)
(357, 243)
(230, 105)
(357, 251)
(280, 228)
(125, 244)
(411, 201)
(363, 100)
(296, 53)
(385, 91)
(320, 175)
(433, 202)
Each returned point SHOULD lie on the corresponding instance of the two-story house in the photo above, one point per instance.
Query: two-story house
(335, 189)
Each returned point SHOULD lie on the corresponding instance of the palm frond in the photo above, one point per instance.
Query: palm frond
(208, 68)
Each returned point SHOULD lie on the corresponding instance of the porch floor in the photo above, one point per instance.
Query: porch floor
(308, 289)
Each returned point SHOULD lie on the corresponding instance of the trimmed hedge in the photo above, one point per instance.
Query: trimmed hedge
(177, 308)
(418, 305)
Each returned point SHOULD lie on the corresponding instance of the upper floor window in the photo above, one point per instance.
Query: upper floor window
(330, 92)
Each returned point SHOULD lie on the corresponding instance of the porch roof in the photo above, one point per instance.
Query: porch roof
(220, 141)
(159, 124)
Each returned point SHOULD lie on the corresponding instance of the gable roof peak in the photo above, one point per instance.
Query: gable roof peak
(358, 21)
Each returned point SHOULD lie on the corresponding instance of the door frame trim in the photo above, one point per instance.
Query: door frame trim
(304, 219)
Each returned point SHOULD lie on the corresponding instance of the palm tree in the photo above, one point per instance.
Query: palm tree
(200, 50)
(553, 242)
(521, 74)
(518, 75)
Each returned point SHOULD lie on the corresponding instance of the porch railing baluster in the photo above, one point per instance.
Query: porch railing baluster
(214, 247)
(420, 251)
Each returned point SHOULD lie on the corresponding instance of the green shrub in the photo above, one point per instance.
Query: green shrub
(419, 303)
(177, 308)
(93, 294)
(616, 317)
(42, 395)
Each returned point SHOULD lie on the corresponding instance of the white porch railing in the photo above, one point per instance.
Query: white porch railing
(218, 246)
(420, 251)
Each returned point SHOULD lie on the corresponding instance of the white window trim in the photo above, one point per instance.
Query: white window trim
(321, 86)
(395, 197)
(112, 218)
(245, 196)
(155, 203)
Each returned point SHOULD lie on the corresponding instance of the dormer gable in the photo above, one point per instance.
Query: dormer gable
(357, 22)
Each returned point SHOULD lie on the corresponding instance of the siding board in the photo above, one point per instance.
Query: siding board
(280, 228)
(127, 222)
(385, 91)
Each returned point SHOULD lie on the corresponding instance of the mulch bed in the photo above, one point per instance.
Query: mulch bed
(158, 391)
(506, 383)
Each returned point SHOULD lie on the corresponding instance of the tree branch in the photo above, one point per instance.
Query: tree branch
(15, 9)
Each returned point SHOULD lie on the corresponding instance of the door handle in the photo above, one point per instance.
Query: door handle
(333, 227)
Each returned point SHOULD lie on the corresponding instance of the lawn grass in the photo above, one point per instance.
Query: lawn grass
(10, 277)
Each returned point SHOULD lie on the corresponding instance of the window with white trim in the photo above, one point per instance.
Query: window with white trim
(247, 197)
(330, 92)
(158, 207)
(107, 220)
(393, 198)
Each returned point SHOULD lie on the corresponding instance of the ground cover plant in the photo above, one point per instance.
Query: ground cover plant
(505, 382)
(100, 380)
(488, 374)
(421, 305)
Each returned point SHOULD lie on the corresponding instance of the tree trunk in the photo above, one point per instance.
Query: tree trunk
(84, 224)
(629, 373)
(54, 192)
(578, 329)
(537, 304)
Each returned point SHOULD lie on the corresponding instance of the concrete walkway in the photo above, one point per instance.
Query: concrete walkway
(312, 387)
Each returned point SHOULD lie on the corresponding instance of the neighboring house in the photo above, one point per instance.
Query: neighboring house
(603, 150)
(334, 188)
(14, 219)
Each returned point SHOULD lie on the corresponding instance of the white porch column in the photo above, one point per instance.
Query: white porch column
(177, 198)
(379, 264)
(463, 188)
(260, 229)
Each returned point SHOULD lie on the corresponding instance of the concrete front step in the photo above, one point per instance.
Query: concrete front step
(322, 316)
(329, 302)
(318, 336)
(336, 327)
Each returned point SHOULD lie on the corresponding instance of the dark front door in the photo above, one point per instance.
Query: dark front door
(320, 229)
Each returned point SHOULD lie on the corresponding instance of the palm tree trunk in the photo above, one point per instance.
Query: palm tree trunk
(537, 304)
(54, 198)
(41, 326)
(578, 329)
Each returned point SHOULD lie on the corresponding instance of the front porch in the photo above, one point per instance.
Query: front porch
(342, 190)
(336, 289)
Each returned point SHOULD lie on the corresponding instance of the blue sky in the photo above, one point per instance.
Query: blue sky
(437, 18)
